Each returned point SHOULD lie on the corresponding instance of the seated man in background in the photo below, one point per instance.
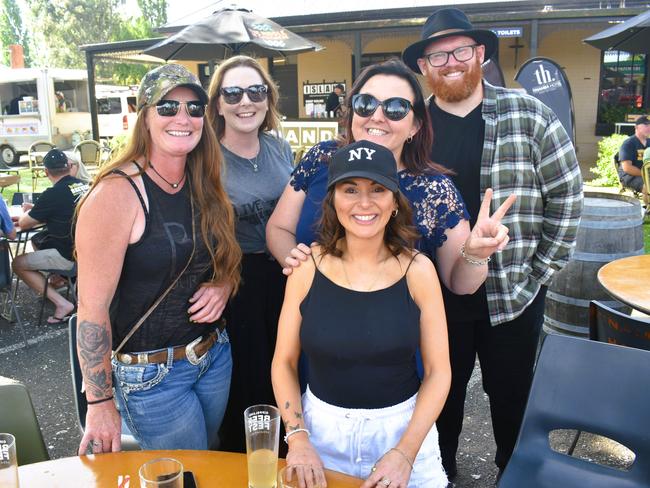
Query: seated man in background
(630, 156)
(7, 228)
(53, 247)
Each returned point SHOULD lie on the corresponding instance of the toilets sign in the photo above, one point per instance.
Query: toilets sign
(307, 134)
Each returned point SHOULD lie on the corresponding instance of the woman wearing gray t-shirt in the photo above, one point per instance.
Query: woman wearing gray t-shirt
(243, 110)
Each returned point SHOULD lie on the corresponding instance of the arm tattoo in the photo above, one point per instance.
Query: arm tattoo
(298, 415)
(293, 427)
(287, 405)
(94, 345)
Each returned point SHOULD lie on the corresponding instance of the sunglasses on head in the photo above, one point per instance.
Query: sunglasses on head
(169, 108)
(395, 108)
(233, 94)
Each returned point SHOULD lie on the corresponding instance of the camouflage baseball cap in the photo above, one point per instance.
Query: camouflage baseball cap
(163, 79)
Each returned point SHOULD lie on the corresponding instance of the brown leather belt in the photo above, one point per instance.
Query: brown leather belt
(193, 352)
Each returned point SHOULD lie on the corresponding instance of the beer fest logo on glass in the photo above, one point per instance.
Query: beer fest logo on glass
(4, 452)
(269, 36)
(259, 421)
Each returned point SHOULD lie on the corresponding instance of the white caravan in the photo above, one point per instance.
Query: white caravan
(41, 104)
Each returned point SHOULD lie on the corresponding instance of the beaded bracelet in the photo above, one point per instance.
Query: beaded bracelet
(403, 455)
(102, 400)
(289, 434)
(472, 260)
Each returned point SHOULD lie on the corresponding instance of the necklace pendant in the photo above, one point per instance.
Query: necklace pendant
(255, 168)
(174, 185)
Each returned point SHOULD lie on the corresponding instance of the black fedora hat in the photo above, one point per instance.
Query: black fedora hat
(443, 23)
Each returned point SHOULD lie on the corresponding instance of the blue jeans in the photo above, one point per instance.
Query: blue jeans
(176, 405)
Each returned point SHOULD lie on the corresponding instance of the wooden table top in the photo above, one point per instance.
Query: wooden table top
(628, 280)
(210, 468)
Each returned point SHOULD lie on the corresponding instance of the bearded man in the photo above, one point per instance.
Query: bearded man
(501, 139)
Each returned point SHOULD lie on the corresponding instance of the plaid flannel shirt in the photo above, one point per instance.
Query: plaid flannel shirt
(527, 152)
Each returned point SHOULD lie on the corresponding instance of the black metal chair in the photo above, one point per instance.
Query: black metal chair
(6, 275)
(592, 387)
(19, 419)
(128, 441)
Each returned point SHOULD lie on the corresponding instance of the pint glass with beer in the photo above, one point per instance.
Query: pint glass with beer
(262, 426)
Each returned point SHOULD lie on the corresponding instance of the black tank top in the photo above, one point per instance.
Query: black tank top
(150, 266)
(360, 346)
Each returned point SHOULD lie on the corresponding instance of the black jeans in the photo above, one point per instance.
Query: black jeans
(252, 320)
(507, 355)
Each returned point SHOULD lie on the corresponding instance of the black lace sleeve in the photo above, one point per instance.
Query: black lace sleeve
(437, 205)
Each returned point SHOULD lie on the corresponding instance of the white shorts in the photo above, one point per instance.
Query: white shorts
(351, 440)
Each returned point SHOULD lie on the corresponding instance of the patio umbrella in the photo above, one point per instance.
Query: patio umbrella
(632, 36)
(228, 32)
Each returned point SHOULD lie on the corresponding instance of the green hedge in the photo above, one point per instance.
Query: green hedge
(604, 169)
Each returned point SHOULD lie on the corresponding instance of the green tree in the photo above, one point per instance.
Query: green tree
(154, 12)
(130, 73)
(12, 30)
(60, 27)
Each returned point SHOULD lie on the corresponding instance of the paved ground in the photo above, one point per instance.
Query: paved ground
(44, 368)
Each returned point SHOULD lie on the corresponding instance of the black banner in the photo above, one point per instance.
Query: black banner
(544, 79)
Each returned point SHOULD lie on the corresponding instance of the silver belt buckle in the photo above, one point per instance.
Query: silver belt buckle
(191, 355)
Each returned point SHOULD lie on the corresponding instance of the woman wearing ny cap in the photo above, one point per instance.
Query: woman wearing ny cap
(243, 109)
(359, 309)
(155, 243)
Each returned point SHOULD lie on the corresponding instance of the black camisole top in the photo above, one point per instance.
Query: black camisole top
(360, 346)
(150, 266)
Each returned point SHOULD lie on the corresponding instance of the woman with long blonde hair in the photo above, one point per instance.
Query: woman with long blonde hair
(157, 260)
(257, 163)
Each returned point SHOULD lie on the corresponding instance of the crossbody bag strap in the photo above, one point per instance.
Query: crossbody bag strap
(164, 294)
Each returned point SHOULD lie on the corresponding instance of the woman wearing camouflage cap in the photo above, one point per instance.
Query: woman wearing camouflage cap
(155, 243)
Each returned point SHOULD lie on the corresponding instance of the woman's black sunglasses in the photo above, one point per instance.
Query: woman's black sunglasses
(395, 108)
(234, 94)
(169, 108)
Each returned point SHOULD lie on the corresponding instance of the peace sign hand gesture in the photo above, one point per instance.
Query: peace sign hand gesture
(489, 234)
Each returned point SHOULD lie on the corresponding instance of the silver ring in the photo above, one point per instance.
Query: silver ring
(373, 469)
(97, 443)
(385, 481)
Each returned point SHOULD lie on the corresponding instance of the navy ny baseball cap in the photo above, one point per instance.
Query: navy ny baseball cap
(364, 159)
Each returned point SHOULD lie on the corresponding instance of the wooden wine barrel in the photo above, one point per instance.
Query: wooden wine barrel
(611, 228)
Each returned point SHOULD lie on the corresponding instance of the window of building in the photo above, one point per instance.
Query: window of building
(623, 90)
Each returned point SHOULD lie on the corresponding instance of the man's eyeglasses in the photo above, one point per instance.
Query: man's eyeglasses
(169, 108)
(395, 108)
(462, 54)
(233, 94)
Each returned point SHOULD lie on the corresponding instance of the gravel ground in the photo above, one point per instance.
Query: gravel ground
(44, 368)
